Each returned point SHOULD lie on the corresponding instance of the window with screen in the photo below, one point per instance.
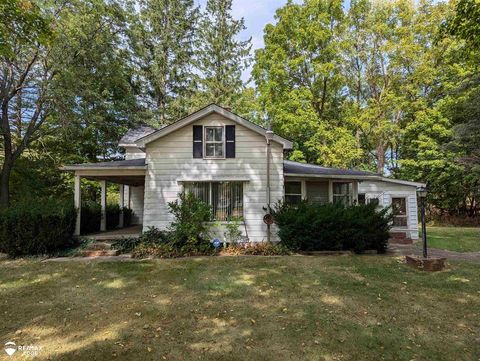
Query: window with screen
(225, 198)
(293, 192)
(342, 193)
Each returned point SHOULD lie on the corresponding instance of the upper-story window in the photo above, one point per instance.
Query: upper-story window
(214, 142)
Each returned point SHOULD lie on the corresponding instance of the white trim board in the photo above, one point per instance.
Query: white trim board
(213, 179)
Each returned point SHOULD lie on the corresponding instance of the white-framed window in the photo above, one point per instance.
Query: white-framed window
(399, 209)
(342, 193)
(214, 142)
(225, 198)
(363, 199)
(293, 192)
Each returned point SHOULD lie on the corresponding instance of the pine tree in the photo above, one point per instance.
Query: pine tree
(221, 56)
(163, 42)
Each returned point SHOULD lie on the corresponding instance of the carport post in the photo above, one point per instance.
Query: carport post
(103, 203)
(77, 202)
(121, 203)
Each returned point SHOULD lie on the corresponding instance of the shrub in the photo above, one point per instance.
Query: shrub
(91, 216)
(150, 237)
(186, 236)
(190, 228)
(36, 228)
(233, 232)
(156, 250)
(313, 227)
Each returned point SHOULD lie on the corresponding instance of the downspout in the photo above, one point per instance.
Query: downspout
(269, 137)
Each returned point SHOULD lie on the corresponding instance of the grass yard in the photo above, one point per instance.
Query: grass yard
(460, 239)
(241, 308)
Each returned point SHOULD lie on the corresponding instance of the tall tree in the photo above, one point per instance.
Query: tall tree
(64, 82)
(221, 56)
(93, 95)
(163, 43)
(26, 74)
(299, 79)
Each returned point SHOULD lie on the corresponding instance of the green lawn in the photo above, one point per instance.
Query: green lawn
(460, 239)
(242, 308)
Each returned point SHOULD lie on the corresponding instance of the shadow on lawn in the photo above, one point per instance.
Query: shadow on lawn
(217, 309)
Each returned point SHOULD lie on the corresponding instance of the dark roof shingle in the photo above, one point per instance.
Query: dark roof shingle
(136, 133)
(290, 167)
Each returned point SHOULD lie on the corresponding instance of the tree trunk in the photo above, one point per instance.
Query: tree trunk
(8, 157)
(5, 184)
(380, 158)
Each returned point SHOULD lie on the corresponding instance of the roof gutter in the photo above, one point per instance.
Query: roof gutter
(76, 167)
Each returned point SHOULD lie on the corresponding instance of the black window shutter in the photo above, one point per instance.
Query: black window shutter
(230, 141)
(197, 141)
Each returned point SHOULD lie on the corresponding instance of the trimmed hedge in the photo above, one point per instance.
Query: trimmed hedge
(91, 215)
(313, 227)
(36, 228)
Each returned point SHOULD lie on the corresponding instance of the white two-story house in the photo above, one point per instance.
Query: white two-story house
(239, 169)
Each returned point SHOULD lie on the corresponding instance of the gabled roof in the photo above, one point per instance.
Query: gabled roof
(212, 108)
(296, 169)
(129, 139)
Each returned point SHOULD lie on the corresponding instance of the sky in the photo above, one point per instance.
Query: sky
(257, 14)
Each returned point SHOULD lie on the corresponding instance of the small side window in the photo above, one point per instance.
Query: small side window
(362, 198)
(293, 192)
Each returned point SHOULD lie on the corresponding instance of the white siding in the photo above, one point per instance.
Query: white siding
(134, 197)
(170, 159)
(136, 193)
(134, 153)
(384, 191)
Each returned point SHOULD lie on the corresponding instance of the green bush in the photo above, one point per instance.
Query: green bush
(233, 233)
(36, 228)
(150, 237)
(190, 229)
(312, 227)
(91, 216)
(162, 244)
(186, 236)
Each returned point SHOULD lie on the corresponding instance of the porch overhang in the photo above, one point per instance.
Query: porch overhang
(123, 172)
(129, 172)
